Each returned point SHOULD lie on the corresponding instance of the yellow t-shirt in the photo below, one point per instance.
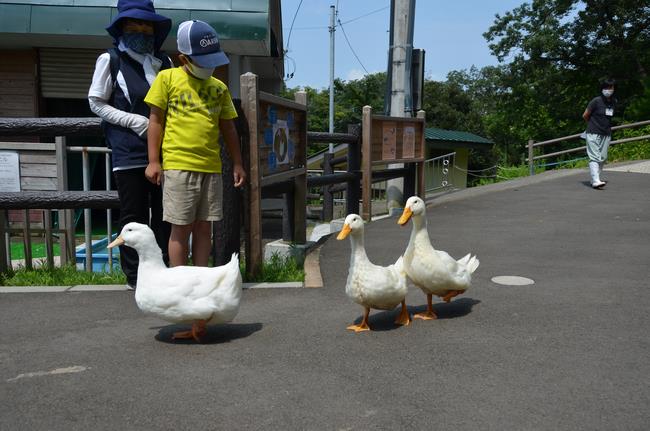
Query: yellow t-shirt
(193, 109)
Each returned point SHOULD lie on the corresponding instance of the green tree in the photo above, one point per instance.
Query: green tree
(564, 48)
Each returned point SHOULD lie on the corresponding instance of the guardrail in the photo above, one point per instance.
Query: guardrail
(532, 144)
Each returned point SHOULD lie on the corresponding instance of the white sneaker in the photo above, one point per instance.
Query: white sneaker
(598, 184)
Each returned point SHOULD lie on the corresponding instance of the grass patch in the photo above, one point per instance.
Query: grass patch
(278, 269)
(60, 276)
(38, 250)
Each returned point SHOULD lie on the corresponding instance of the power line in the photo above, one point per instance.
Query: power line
(292, 21)
(365, 15)
(293, 64)
(320, 27)
(352, 49)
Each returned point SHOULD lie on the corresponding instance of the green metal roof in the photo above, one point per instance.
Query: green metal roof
(434, 134)
(244, 24)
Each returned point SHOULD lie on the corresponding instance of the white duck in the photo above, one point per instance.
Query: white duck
(370, 285)
(433, 271)
(182, 294)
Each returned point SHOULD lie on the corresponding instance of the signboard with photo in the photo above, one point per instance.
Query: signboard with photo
(283, 137)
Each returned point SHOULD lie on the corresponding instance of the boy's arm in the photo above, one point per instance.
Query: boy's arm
(154, 140)
(230, 136)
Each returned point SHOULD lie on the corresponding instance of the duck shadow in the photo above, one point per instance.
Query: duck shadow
(385, 320)
(215, 334)
(449, 310)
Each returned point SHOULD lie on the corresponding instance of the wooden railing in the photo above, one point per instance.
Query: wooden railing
(532, 144)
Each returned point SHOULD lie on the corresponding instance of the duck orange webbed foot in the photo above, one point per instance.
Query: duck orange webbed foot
(363, 326)
(198, 330)
(429, 314)
(403, 318)
(426, 315)
(359, 328)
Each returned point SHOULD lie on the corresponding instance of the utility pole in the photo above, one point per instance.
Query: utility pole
(332, 30)
(401, 47)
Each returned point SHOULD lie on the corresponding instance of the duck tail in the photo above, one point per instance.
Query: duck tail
(234, 261)
(472, 264)
(465, 259)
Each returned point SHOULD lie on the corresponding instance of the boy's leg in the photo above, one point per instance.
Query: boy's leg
(178, 244)
(201, 242)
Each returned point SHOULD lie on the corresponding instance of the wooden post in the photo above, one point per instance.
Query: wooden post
(249, 96)
(531, 165)
(4, 261)
(301, 97)
(300, 209)
(410, 180)
(328, 196)
(27, 241)
(225, 232)
(366, 162)
(300, 187)
(66, 216)
(49, 247)
(288, 216)
(420, 165)
(354, 166)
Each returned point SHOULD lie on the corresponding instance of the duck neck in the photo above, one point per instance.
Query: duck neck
(151, 256)
(358, 247)
(419, 229)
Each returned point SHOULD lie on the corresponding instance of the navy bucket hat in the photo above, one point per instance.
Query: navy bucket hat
(144, 10)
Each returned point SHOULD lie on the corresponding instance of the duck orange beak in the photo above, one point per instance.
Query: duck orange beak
(118, 241)
(406, 215)
(344, 232)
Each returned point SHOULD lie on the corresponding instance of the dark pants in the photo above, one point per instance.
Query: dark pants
(137, 197)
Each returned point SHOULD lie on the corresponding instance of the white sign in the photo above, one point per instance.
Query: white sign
(9, 172)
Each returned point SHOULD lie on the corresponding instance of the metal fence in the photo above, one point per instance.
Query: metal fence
(438, 172)
(532, 144)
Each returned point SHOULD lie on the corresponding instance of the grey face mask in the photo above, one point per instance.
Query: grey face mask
(139, 42)
(608, 93)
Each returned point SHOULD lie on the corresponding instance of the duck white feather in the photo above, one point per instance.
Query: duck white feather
(182, 294)
(435, 272)
(370, 285)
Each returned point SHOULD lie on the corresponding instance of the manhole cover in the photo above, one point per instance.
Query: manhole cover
(512, 280)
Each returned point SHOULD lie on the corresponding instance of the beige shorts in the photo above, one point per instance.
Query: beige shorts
(191, 196)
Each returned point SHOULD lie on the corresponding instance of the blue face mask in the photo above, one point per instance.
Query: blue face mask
(139, 42)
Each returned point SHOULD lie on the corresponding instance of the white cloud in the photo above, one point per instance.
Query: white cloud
(355, 74)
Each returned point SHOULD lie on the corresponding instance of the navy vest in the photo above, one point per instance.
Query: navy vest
(129, 149)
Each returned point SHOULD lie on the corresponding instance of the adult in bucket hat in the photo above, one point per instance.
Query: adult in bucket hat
(121, 80)
(140, 10)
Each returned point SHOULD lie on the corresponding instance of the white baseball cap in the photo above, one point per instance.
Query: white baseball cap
(199, 41)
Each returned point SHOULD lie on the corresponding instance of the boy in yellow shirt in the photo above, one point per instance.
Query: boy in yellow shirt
(189, 109)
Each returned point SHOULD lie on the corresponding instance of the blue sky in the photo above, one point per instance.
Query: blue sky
(449, 31)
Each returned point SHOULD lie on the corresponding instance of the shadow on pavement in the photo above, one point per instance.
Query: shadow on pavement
(216, 334)
(385, 320)
(456, 308)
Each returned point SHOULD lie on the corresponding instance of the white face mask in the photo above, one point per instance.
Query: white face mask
(200, 72)
(608, 93)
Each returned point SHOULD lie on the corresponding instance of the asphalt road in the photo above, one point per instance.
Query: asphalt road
(570, 352)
